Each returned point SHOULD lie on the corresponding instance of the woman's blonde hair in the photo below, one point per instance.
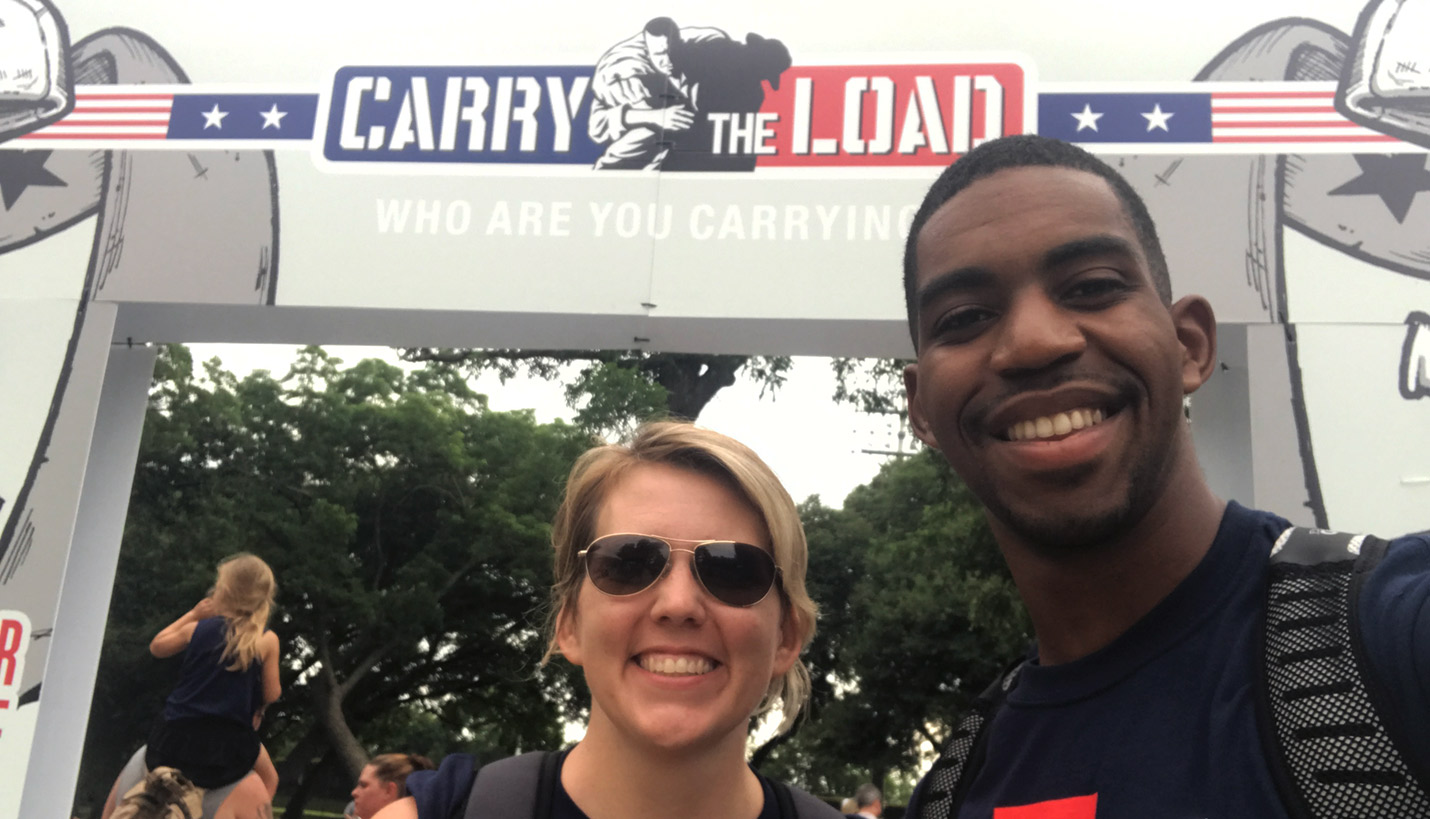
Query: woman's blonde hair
(709, 453)
(396, 767)
(243, 594)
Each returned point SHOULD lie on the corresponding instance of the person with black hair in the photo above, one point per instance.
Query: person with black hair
(1193, 657)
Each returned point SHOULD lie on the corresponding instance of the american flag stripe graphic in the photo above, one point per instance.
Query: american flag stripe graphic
(1172, 117)
(1284, 116)
(1206, 117)
(102, 114)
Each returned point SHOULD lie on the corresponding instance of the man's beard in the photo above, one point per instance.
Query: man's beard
(1087, 533)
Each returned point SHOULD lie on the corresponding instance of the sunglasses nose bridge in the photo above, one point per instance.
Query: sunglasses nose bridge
(689, 562)
(680, 598)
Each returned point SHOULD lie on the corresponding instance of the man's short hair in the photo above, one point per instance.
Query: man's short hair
(663, 27)
(1024, 151)
(867, 795)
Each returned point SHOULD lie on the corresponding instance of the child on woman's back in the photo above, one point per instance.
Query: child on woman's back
(209, 729)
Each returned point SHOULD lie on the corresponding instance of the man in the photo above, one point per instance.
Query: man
(868, 801)
(639, 93)
(1051, 370)
(652, 95)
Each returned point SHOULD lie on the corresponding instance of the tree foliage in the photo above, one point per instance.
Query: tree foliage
(917, 615)
(872, 385)
(408, 528)
(612, 391)
(407, 525)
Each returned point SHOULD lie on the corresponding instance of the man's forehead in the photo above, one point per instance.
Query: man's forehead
(1015, 208)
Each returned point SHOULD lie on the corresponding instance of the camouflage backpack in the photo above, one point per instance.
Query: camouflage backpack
(163, 793)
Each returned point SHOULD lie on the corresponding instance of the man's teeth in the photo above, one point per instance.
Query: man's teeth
(1049, 425)
(677, 666)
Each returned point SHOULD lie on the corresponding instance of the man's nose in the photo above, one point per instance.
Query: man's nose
(1035, 333)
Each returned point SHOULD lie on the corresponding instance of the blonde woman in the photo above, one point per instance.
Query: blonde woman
(228, 677)
(679, 591)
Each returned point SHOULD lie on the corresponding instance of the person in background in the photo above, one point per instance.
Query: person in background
(384, 781)
(868, 801)
(208, 729)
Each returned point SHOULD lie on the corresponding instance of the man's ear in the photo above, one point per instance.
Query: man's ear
(568, 638)
(917, 422)
(1196, 331)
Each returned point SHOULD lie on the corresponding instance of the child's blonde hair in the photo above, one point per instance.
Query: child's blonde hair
(243, 594)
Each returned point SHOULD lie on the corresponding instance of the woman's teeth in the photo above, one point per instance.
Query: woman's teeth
(677, 666)
(1049, 425)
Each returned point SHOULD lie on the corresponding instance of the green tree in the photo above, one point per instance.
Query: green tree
(917, 614)
(407, 525)
(614, 390)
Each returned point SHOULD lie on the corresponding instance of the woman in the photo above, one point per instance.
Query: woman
(384, 781)
(679, 591)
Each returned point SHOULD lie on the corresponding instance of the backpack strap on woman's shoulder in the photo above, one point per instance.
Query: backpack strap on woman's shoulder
(515, 787)
(795, 803)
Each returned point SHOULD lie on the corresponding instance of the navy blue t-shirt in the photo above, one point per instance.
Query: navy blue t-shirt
(1162, 721)
(442, 794)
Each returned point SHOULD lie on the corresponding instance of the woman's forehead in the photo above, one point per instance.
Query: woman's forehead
(678, 502)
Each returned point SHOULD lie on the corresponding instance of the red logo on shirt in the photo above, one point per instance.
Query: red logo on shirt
(1075, 807)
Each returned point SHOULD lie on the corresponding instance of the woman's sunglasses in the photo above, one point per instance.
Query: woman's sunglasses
(736, 574)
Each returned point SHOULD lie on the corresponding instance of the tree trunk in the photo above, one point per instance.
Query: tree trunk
(344, 743)
(691, 381)
(299, 800)
(293, 767)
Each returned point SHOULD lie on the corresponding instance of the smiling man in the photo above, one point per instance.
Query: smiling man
(1052, 366)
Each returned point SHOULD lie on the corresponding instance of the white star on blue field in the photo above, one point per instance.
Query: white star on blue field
(1126, 117)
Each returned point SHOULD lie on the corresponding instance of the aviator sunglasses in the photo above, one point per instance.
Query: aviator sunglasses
(736, 574)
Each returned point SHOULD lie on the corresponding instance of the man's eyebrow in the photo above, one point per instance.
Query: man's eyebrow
(1087, 246)
(962, 278)
(974, 276)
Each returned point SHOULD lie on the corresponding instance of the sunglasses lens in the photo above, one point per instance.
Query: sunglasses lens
(626, 564)
(737, 574)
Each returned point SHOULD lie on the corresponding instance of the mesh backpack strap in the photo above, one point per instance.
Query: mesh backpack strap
(510, 788)
(1328, 745)
(962, 754)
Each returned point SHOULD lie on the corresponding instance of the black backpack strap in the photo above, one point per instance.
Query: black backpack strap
(783, 799)
(1331, 750)
(796, 804)
(547, 783)
(963, 751)
(517, 786)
